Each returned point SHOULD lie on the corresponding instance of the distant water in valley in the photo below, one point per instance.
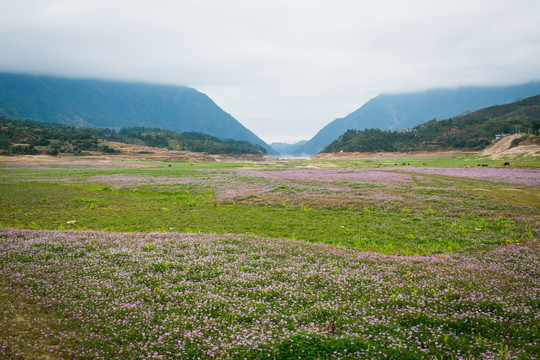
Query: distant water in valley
(292, 157)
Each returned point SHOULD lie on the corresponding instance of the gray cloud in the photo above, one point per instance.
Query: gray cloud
(283, 68)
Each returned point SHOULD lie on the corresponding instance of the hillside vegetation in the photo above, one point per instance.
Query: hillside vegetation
(473, 131)
(29, 138)
(393, 112)
(112, 104)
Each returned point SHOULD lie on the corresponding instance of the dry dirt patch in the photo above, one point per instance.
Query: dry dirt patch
(138, 152)
(502, 148)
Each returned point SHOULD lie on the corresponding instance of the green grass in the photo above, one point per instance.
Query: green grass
(144, 287)
(417, 160)
(34, 331)
(38, 205)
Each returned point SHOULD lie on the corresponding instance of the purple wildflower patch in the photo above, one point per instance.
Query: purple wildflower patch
(165, 295)
(514, 177)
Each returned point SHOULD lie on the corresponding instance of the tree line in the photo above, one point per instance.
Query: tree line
(473, 131)
(30, 137)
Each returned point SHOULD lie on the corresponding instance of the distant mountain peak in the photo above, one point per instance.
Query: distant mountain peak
(116, 104)
(405, 110)
(471, 132)
(285, 148)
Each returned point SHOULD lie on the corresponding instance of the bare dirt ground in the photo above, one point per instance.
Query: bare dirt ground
(501, 148)
(389, 154)
(138, 152)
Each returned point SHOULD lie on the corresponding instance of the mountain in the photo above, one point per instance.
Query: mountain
(474, 131)
(29, 138)
(286, 149)
(399, 111)
(113, 104)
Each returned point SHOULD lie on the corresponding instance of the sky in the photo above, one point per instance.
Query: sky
(283, 68)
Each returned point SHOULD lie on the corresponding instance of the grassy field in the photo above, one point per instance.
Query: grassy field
(347, 258)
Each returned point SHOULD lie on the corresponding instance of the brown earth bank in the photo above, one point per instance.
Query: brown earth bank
(502, 148)
(139, 152)
(390, 154)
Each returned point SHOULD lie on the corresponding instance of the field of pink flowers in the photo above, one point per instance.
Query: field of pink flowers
(243, 287)
(166, 295)
(507, 176)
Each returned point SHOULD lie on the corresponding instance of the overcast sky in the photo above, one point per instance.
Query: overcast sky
(283, 68)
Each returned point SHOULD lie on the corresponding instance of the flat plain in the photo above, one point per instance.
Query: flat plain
(415, 257)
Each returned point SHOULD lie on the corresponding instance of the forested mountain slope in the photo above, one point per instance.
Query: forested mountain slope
(113, 104)
(473, 131)
(400, 111)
